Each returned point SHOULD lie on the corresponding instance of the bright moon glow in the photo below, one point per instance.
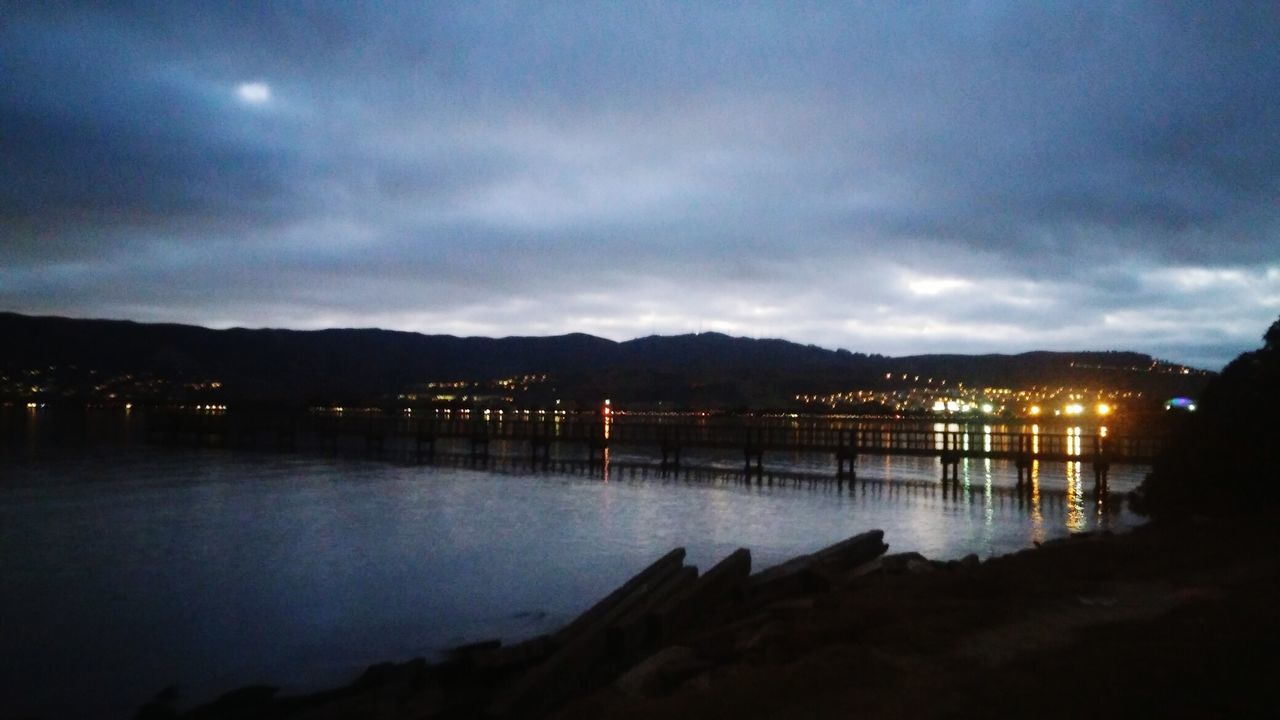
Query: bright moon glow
(929, 286)
(254, 93)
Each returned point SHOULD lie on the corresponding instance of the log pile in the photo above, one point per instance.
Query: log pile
(662, 603)
(633, 637)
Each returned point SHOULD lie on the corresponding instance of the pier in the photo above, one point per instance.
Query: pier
(590, 436)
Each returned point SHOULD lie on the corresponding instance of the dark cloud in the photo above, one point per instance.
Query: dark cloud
(889, 178)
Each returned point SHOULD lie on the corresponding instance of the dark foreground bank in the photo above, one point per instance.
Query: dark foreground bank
(1167, 621)
(1170, 620)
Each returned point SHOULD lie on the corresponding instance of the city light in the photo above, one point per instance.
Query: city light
(1104, 409)
(1033, 410)
(1073, 409)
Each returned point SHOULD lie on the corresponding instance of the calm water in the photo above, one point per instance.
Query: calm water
(128, 569)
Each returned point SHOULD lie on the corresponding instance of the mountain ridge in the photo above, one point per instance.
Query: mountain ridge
(285, 366)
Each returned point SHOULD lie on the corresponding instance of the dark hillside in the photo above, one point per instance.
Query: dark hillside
(71, 358)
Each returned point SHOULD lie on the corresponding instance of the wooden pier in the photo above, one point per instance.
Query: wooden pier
(545, 435)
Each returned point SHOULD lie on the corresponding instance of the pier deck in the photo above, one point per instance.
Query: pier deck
(669, 437)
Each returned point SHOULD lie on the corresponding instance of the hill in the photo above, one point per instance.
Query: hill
(49, 358)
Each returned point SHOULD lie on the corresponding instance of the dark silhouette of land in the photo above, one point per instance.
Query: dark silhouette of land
(88, 358)
(1224, 458)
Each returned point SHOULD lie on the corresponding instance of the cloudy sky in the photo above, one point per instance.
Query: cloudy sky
(897, 177)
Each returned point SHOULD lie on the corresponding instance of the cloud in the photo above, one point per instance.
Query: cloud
(885, 178)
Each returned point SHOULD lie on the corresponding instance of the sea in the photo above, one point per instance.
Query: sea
(126, 567)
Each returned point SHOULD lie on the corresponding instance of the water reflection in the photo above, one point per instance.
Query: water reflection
(988, 500)
(1075, 520)
(1074, 442)
(1037, 517)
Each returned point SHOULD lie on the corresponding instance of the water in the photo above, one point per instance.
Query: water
(126, 569)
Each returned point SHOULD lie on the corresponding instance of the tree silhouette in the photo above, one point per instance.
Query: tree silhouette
(1223, 458)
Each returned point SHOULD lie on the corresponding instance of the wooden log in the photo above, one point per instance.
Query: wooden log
(506, 657)
(634, 632)
(665, 565)
(850, 553)
(722, 584)
(580, 662)
(794, 577)
(466, 653)
(816, 572)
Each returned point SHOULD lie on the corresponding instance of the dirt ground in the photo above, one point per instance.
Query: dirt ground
(1165, 621)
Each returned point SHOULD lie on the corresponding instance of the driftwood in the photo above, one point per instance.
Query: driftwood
(848, 554)
(817, 572)
(579, 662)
(663, 599)
(466, 654)
(722, 584)
(666, 564)
(637, 620)
(506, 657)
(634, 633)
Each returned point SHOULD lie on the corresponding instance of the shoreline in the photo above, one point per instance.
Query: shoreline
(899, 638)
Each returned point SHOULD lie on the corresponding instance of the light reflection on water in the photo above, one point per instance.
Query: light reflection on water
(129, 569)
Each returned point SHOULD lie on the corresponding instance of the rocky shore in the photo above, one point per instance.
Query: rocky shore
(1172, 619)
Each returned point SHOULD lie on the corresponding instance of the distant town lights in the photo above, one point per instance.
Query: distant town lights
(1073, 409)
(1103, 409)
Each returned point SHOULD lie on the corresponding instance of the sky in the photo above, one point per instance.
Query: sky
(889, 177)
